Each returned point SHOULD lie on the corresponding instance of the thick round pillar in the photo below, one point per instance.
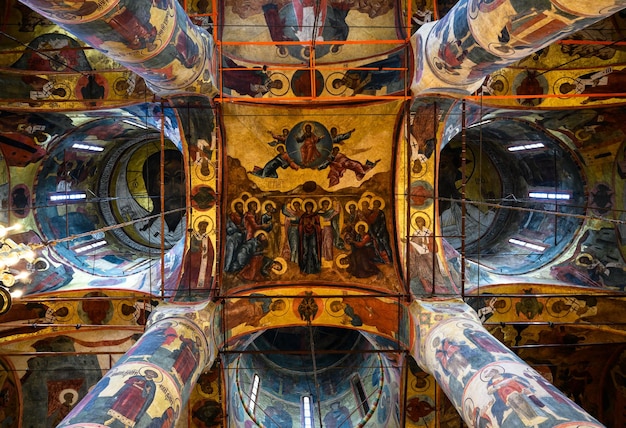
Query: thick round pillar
(477, 37)
(151, 383)
(487, 383)
(154, 39)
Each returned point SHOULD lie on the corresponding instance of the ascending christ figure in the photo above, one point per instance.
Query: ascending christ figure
(309, 141)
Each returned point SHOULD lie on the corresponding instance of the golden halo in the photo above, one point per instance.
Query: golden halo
(582, 264)
(122, 314)
(295, 200)
(326, 198)
(245, 196)
(382, 201)
(234, 202)
(281, 312)
(423, 215)
(307, 200)
(258, 203)
(358, 223)
(260, 232)
(157, 379)
(368, 195)
(272, 203)
(329, 305)
(283, 266)
(349, 204)
(210, 226)
(368, 200)
(71, 391)
(507, 306)
(55, 307)
(281, 145)
(342, 261)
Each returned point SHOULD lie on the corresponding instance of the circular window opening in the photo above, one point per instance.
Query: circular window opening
(522, 198)
(143, 190)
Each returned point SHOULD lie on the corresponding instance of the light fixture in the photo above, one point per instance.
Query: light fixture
(10, 254)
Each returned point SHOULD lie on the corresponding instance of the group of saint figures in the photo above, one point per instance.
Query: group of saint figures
(310, 233)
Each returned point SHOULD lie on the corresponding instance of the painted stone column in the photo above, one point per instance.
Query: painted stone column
(477, 37)
(151, 383)
(155, 39)
(487, 383)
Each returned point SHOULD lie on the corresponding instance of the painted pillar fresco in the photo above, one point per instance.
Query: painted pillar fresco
(478, 37)
(155, 39)
(150, 384)
(488, 384)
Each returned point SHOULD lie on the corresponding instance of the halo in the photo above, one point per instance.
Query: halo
(556, 87)
(329, 84)
(122, 314)
(368, 195)
(67, 95)
(282, 51)
(368, 200)
(55, 307)
(280, 313)
(211, 170)
(423, 215)
(295, 200)
(253, 199)
(260, 232)
(349, 204)
(245, 195)
(425, 379)
(210, 227)
(307, 200)
(326, 198)
(282, 78)
(281, 145)
(382, 201)
(272, 203)
(550, 304)
(484, 371)
(358, 223)
(234, 202)
(71, 391)
(283, 266)
(582, 264)
(329, 304)
(499, 78)
(507, 306)
(157, 379)
(342, 261)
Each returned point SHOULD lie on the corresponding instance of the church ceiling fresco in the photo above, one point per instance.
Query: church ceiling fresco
(285, 166)
(261, 168)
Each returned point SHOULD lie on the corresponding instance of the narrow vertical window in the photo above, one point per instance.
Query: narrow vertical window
(307, 412)
(360, 395)
(254, 393)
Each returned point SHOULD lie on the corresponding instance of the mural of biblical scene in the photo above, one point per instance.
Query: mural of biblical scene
(309, 198)
(367, 77)
(574, 85)
(78, 87)
(291, 25)
(380, 317)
